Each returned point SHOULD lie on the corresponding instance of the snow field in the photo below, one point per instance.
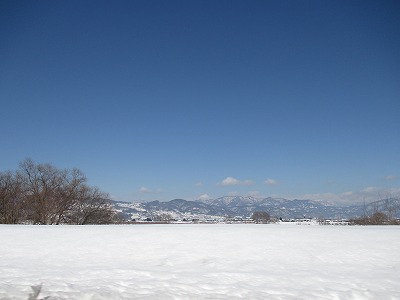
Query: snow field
(200, 262)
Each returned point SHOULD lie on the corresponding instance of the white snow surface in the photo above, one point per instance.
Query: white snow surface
(200, 262)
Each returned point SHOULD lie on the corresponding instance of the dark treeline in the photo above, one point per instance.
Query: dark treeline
(43, 194)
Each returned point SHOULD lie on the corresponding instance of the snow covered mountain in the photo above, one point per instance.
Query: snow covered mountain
(278, 207)
(231, 206)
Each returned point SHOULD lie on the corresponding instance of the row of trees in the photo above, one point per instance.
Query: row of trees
(382, 212)
(43, 194)
(377, 218)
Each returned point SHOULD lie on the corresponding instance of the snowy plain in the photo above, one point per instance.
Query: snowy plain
(200, 262)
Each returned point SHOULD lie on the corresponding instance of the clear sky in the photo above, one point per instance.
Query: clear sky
(156, 100)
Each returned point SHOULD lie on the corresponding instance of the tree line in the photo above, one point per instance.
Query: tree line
(43, 194)
(377, 218)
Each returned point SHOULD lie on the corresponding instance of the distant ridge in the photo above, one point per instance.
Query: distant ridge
(245, 206)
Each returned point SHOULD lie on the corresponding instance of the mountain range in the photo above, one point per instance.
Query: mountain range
(231, 206)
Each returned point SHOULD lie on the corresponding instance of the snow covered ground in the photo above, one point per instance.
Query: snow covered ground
(200, 262)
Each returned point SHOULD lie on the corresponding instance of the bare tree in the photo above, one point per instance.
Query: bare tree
(261, 217)
(378, 218)
(43, 194)
(91, 207)
(41, 183)
(382, 212)
(68, 193)
(163, 217)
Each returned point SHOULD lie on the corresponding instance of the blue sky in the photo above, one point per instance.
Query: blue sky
(189, 99)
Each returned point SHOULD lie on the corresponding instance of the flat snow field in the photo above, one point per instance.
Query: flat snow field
(200, 262)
